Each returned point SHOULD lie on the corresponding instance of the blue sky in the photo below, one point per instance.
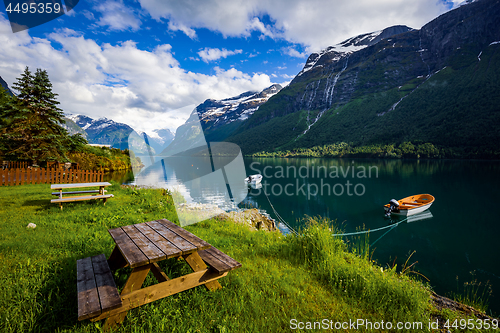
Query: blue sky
(148, 63)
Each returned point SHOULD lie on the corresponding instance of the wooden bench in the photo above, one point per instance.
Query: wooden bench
(218, 261)
(87, 197)
(77, 192)
(97, 292)
(93, 194)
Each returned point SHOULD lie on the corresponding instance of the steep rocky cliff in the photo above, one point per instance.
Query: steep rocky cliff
(437, 84)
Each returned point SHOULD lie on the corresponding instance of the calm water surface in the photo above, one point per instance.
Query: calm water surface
(459, 244)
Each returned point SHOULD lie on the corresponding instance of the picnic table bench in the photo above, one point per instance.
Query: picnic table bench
(95, 194)
(141, 247)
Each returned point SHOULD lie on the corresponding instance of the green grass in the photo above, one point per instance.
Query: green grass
(309, 277)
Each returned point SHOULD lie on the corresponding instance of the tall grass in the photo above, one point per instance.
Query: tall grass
(473, 293)
(308, 277)
(386, 292)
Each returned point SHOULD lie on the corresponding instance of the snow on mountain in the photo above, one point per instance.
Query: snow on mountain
(107, 131)
(103, 130)
(219, 118)
(158, 139)
(235, 108)
(351, 45)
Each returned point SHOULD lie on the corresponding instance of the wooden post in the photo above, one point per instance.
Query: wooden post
(1, 177)
(18, 176)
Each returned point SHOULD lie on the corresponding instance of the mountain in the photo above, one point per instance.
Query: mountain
(73, 128)
(159, 139)
(438, 85)
(103, 130)
(6, 86)
(219, 118)
(108, 132)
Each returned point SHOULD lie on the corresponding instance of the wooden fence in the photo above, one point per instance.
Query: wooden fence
(14, 164)
(50, 165)
(11, 177)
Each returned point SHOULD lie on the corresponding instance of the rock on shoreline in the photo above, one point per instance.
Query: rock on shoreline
(253, 218)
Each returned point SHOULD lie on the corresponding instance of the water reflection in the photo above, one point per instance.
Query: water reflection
(460, 238)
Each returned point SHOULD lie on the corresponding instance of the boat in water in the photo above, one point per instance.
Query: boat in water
(409, 206)
(254, 179)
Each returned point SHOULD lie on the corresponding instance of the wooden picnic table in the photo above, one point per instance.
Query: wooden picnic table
(90, 194)
(141, 247)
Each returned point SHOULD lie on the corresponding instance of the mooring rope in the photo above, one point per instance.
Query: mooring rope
(368, 231)
(280, 219)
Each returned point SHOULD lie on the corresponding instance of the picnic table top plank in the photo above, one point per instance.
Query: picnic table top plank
(77, 192)
(185, 246)
(163, 244)
(195, 240)
(106, 287)
(88, 300)
(75, 185)
(132, 254)
(144, 244)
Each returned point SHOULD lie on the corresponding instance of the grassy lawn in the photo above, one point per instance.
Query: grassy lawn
(308, 278)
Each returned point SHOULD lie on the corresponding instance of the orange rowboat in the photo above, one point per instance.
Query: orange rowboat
(409, 205)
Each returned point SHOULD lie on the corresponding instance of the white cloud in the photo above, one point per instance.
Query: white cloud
(314, 24)
(145, 89)
(116, 16)
(294, 53)
(181, 27)
(212, 54)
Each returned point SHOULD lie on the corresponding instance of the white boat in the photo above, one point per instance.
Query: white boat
(255, 186)
(409, 206)
(254, 179)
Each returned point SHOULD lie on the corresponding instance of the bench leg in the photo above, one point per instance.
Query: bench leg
(134, 282)
(60, 205)
(197, 264)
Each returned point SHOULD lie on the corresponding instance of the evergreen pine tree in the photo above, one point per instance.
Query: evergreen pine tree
(33, 131)
(5, 100)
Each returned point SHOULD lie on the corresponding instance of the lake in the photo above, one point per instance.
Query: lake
(458, 244)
